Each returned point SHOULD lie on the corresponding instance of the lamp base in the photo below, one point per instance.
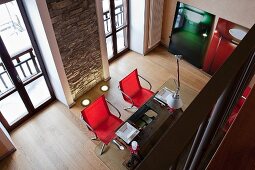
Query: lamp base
(174, 101)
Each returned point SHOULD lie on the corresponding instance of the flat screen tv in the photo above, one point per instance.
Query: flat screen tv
(190, 33)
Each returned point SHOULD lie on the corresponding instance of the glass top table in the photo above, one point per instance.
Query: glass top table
(153, 118)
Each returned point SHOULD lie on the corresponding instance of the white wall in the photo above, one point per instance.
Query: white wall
(137, 25)
(41, 24)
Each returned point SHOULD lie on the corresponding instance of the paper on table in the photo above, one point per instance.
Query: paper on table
(127, 132)
(163, 93)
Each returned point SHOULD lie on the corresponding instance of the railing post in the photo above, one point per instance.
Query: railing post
(22, 70)
(29, 69)
(5, 85)
(33, 59)
(1, 77)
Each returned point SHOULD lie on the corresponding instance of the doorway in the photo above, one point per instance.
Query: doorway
(24, 85)
(116, 27)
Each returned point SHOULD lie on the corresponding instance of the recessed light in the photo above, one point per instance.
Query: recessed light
(204, 35)
(237, 33)
(85, 102)
(104, 88)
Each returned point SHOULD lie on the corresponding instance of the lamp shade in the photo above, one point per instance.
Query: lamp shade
(174, 101)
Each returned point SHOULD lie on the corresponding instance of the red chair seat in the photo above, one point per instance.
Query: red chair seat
(141, 97)
(130, 86)
(101, 121)
(106, 130)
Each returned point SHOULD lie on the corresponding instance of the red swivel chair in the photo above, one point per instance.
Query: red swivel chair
(133, 92)
(101, 121)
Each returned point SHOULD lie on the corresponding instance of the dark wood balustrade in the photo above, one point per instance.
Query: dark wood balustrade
(21, 64)
(119, 18)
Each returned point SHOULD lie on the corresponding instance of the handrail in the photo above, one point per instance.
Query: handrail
(121, 5)
(236, 72)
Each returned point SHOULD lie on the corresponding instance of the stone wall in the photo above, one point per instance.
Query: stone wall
(76, 30)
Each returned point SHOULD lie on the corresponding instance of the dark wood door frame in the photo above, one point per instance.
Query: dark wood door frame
(35, 45)
(20, 86)
(6, 58)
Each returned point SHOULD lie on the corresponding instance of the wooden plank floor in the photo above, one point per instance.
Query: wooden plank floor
(52, 140)
(57, 139)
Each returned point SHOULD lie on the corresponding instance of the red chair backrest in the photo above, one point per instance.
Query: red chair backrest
(130, 84)
(96, 113)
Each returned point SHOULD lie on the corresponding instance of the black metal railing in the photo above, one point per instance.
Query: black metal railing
(119, 18)
(22, 65)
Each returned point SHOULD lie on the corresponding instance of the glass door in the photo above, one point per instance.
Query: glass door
(24, 86)
(115, 14)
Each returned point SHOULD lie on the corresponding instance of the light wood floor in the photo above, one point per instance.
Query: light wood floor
(57, 139)
(52, 140)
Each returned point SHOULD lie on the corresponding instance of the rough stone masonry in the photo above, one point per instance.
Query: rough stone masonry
(76, 30)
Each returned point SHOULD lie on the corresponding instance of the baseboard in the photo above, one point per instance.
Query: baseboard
(71, 105)
(107, 79)
(152, 48)
(163, 45)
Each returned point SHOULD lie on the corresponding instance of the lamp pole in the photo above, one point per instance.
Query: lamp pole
(178, 74)
(178, 57)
